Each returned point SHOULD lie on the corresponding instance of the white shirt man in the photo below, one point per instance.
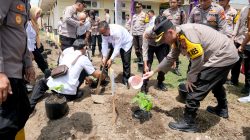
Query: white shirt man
(70, 81)
(119, 37)
(119, 40)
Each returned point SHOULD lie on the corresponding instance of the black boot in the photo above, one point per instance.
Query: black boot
(187, 124)
(144, 88)
(221, 112)
(161, 86)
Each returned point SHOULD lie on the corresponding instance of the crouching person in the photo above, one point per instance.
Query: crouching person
(79, 68)
(212, 55)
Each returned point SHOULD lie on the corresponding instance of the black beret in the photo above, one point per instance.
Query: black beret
(161, 28)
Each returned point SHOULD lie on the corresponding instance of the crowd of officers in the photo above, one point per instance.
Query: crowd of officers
(149, 35)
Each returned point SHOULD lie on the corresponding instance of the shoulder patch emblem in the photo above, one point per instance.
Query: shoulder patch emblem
(18, 19)
(20, 7)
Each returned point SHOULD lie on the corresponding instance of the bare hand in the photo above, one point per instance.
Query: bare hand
(5, 87)
(190, 86)
(30, 74)
(103, 61)
(109, 63)
(241, 49)
(81, 22)
(147, 75)
(146, 68)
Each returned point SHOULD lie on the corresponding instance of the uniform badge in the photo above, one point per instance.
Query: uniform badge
(18, 19)
(20, 7)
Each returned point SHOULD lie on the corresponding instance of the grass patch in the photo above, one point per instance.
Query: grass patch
(171, 79)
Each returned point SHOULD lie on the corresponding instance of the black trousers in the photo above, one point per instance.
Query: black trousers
(40, 61)
(247, 69)
(160, 52)
(66, 42)
(126, 58)
(97, 38)
(15, 111)
(137, 42)
(208, 79)
(235, 71)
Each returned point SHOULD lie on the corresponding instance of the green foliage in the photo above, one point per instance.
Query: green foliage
(144, 101)
(58, 88)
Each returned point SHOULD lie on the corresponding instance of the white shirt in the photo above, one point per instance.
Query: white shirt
(70, 80)
(31, 35)
(84, 28)
(107, 18)
(59, 26)
(152, 21)
(119, 37)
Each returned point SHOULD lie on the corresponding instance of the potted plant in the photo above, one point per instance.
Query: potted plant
(145, 104)
(56, 104)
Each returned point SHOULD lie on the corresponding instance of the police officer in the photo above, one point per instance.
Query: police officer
(209, 13)
(231, 15)
(138, 28)
(177, 16)
(14, 60)
(149, 48)
(70, 23)
(212, 55)
(242, 40)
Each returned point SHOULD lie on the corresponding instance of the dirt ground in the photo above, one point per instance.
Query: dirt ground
(87, 120)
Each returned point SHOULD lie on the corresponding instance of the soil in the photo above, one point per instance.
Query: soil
(87, 120)
(55, 99)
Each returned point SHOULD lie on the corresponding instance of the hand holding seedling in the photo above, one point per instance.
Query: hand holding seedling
(5, 87)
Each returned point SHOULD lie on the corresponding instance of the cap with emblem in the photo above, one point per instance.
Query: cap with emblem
(161, 28)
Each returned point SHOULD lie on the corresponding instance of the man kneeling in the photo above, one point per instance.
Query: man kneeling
(75, 76)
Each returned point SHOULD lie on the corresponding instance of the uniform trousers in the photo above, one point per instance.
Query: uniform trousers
(15, 111)
(66, 42)
(161, 52)
(137, 42)
(210, 78)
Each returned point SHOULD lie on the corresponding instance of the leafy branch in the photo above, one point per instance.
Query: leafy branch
(144, 101)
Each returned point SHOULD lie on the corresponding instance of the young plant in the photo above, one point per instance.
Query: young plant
(144, 101)
(57, 88)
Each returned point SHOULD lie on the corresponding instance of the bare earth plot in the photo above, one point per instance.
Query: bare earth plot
(86, 120)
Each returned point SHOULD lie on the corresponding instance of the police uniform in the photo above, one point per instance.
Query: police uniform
(14, 56)
(214, 17)
(239, 32)
(177, 17)
(212, 55)
(230, 14)
(149, 48)
(138, 28)
(69, 27)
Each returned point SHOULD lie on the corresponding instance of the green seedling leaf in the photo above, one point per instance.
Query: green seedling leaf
(143, 101)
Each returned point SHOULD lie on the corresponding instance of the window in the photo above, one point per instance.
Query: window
(148, 6)
(123, 4)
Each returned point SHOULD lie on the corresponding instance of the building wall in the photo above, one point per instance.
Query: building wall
(56, 11)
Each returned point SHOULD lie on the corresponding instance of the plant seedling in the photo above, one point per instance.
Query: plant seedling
(144, 101)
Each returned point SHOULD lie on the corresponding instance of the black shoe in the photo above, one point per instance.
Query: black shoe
(218, 111)
(184, 126)
(126, 84)
(161, 86)
(177, 72)
(144, 89)
(78, 95)
(232, 83)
